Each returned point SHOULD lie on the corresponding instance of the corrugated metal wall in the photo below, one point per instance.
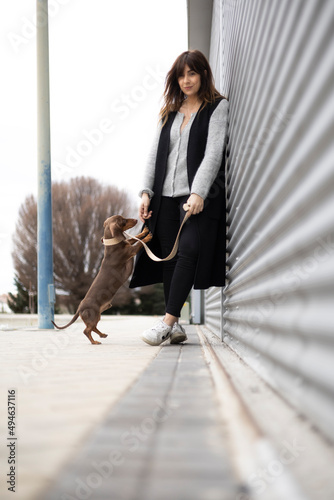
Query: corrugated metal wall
(213, 310)
(275, 61)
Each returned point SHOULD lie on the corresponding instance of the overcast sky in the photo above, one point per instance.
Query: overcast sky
(108, 61)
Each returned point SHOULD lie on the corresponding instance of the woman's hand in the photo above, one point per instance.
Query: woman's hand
(195, 204)
(144, 214)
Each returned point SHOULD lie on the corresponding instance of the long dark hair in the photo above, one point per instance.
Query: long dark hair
(173, 95)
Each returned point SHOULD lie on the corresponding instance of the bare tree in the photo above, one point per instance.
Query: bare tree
(79, 209)
(25, 244)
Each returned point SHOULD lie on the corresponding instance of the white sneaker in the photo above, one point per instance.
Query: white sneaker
(178, 334)
(157, 334)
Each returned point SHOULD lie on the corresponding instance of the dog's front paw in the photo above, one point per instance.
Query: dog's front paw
(143, 233)
(148, 238)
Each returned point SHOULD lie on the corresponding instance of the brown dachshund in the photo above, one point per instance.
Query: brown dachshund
(116, 267)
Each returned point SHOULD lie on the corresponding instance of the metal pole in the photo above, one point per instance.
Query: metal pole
(46, 294)
(197, 307)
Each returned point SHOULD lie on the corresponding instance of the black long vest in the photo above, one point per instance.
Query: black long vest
(211, 221)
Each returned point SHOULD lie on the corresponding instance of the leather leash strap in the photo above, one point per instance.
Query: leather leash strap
(176, 244)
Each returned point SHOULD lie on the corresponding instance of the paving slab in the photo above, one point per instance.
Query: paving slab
(156, 442)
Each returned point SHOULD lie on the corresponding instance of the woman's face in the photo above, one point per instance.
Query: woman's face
(190, 82)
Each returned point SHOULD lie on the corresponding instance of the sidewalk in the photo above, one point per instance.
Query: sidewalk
(64, 388)
(128, 421)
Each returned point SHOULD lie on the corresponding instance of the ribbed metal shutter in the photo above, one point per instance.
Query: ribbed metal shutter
(275, 61)
(213, 310)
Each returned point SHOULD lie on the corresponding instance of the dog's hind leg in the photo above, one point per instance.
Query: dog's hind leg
(102, 335)
(88, 332)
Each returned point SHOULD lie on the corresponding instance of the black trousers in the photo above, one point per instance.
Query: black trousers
(178, 273)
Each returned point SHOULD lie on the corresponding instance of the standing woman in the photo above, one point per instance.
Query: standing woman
(185, 166)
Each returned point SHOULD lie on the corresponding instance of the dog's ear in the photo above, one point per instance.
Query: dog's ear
(121, 221)
(111, 229)
(116, 226)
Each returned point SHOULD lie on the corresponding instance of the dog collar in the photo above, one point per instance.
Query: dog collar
(111, 241)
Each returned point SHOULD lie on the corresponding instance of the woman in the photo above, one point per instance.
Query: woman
(186, 166)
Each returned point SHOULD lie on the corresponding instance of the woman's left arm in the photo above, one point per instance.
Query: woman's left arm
(209, 167)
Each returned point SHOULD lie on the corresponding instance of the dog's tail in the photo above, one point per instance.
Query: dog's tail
(75, 317)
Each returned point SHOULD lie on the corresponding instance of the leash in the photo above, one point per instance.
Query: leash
(115, 241)
(176, 244)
